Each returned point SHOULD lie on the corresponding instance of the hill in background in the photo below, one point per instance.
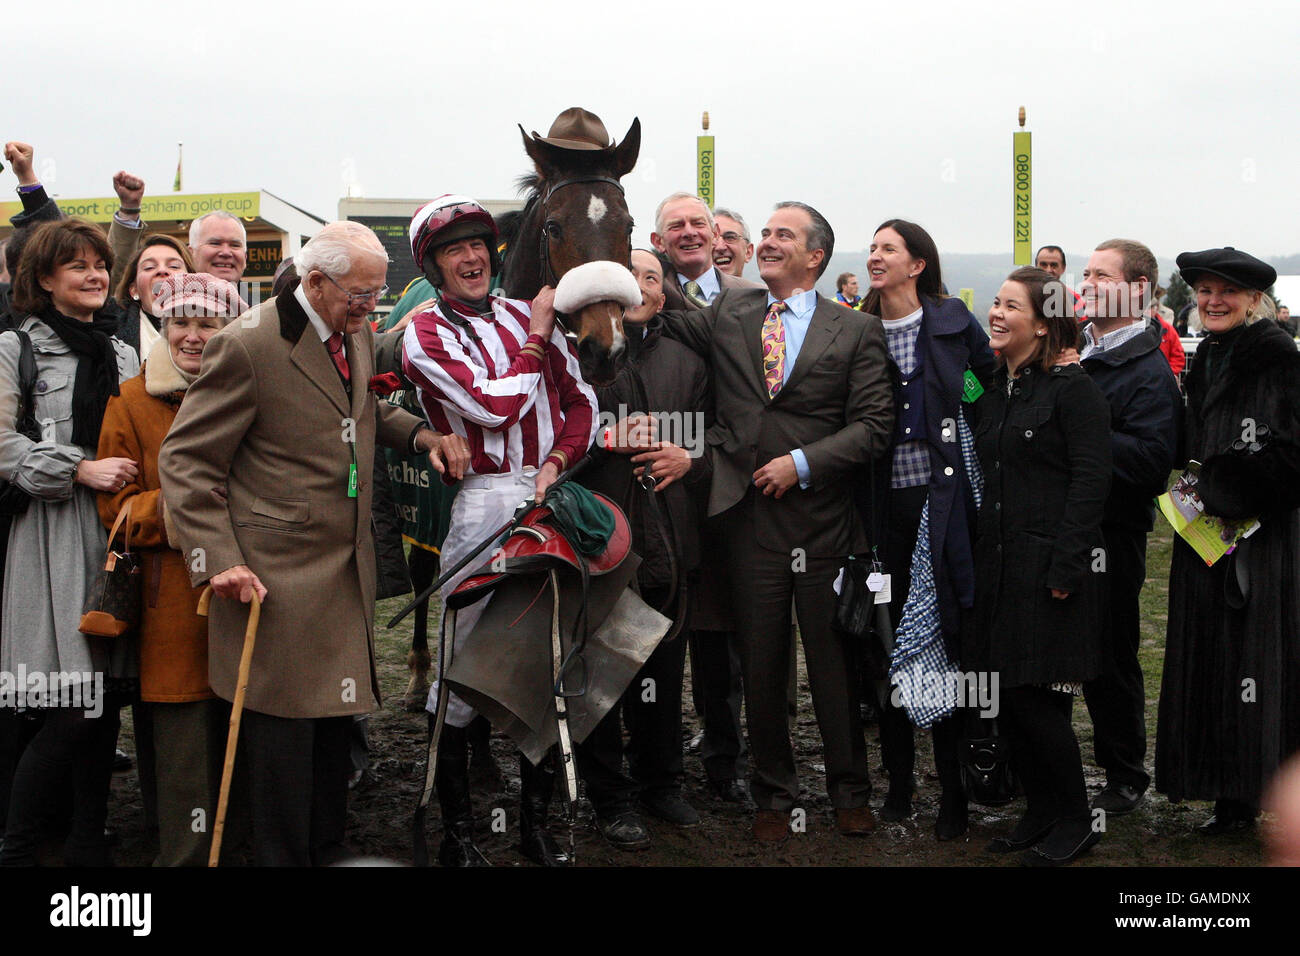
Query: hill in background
(984, 272)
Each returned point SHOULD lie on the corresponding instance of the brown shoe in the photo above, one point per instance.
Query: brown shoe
(855, 821)
(771, 826)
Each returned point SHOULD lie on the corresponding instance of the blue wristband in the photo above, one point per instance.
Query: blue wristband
(29, 189)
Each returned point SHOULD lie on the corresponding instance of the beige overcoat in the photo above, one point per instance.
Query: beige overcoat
(268, 419)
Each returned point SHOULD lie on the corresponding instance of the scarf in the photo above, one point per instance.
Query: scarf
(163, 378)
(134, 312)
(921, 667)
(97, 375)
(1218, 350)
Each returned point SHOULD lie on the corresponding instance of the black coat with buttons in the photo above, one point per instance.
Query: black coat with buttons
(1046, 455)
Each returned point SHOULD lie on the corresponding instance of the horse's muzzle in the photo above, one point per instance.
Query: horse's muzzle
(599, 362)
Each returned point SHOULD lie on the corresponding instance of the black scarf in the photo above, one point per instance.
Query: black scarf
(1218, 349)
(135, 310)
(96, 377)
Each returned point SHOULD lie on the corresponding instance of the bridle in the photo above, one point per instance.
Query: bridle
(544, 241)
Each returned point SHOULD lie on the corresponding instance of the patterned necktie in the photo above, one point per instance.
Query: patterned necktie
(334, 344)
(696, 294)
(774, 348)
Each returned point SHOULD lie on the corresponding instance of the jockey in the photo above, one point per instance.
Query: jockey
(496, 374)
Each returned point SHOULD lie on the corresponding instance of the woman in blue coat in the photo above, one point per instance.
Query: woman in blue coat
(937, 346)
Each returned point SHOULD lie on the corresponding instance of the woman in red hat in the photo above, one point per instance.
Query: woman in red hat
(180, 725)
(1230, 698)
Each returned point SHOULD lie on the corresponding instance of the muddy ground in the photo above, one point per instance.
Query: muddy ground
(1157, 834)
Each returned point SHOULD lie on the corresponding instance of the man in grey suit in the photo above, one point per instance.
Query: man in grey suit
(802, 403)
(685, 233)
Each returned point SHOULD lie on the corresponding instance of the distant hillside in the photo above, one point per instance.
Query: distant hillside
(984, 272)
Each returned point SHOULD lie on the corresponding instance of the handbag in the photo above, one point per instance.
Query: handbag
(13, 500)
(855, 610)
(113, 605)
(985, 759)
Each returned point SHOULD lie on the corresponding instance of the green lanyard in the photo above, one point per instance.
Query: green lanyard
(352, 471)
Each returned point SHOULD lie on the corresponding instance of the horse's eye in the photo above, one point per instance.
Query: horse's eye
(553, 230)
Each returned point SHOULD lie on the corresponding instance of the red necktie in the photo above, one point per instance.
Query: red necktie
(334, 344)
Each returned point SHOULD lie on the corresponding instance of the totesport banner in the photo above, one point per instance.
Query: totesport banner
(1022, 198)
(705, 187)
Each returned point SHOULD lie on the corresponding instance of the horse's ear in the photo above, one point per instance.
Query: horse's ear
(539, 153)
(628, 150)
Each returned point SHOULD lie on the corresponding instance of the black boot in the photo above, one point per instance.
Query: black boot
(535, 840)
(953, 818)
(484, 774)
(1229, 815)
(452, 783)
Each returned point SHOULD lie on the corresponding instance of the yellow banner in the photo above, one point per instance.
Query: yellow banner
(153, 208)
(967, 297)
(705, 187)
(1022, 195)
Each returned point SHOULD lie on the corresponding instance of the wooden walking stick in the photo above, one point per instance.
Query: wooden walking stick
(236, 711)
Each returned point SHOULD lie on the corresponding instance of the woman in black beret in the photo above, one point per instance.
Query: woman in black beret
(1230, 698)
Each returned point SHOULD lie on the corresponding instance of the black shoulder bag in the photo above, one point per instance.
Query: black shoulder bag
(13, 500)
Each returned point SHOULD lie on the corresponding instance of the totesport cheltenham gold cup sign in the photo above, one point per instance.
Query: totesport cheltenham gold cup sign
(170, 206)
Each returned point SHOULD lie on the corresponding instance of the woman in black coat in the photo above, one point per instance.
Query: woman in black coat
(1230, 698)
(934, 342)
(1043, 441)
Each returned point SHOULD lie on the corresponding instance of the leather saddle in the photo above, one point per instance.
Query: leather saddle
(538, 545)
(505, 667)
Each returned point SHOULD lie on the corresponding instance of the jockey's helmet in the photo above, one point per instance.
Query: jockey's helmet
(450, 218)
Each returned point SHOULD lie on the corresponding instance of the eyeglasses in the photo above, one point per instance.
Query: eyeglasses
(355, 297)
(734, 237)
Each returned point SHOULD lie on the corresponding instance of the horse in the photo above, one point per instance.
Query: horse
(574, 213)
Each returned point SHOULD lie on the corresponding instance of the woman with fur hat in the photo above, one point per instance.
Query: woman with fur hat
(1230, 698)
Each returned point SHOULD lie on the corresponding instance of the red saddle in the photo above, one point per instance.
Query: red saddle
(537, 545)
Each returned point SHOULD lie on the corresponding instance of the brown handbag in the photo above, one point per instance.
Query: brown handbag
(113, 605)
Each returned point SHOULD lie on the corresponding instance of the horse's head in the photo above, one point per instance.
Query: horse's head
(577, 215)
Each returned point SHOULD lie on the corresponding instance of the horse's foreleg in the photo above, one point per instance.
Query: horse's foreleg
(424, 568)
(418, 663)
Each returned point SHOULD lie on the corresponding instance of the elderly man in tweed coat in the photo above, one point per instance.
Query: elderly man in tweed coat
(266, 475)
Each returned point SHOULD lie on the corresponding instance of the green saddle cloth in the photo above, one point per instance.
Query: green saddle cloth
(582, 519)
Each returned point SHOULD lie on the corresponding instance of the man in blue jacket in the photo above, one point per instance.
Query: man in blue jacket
(1121, 351)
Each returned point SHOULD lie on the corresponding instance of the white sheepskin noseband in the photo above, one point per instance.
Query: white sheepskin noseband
(601, 281)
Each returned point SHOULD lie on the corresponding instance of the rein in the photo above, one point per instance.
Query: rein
(675, 603)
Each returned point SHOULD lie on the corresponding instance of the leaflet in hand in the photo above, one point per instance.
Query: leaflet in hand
(1209, 536)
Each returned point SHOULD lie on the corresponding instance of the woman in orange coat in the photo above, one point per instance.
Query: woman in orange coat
(180, 726)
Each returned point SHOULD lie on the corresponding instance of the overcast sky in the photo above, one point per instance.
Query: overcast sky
(1170, 122)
